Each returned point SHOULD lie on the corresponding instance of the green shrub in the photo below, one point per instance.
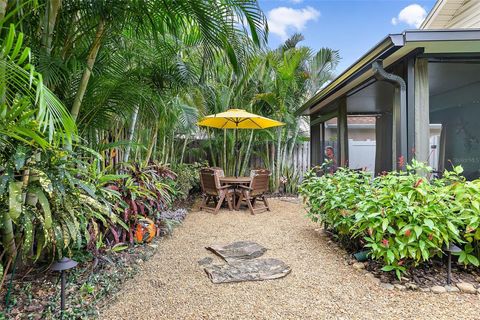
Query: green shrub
(404, 218)
(332, 198)
(188, 179)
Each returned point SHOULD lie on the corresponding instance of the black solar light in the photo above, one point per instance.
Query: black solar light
(63, 265)
(451, 248)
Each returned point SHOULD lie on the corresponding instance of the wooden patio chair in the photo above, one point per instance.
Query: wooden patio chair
(212, 190)
(256, 190)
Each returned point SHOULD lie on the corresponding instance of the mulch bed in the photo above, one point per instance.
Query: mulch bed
(35, 294)
(433, 273)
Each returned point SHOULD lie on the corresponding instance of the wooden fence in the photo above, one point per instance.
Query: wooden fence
(300, 161)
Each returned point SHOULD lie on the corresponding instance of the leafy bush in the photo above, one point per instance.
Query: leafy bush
(332, 198)
(143, 191)
(188, 179)
(402, 217)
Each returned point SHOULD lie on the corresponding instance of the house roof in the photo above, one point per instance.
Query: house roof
(445, 12)
(390, 50)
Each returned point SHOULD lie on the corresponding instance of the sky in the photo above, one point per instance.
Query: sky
(350, 26)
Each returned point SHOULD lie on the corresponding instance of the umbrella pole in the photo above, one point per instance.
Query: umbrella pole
(236, 151)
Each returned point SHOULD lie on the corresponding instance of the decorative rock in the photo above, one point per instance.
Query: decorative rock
(477, 279)
(451, 288)
(411, 286)
(359, 265)
(400, 287)
(425, 289)
(387, 286)
(438, 289)
(466, 287)
(139, 261)
(372, 278)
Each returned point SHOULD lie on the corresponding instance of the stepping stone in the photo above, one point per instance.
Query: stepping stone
(247, 270)
(240, 250)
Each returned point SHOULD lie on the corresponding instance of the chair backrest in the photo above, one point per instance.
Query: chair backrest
(219, 171)
(260, 179)
(207, 181)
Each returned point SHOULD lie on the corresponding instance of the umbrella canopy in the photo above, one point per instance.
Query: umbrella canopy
(238, 119)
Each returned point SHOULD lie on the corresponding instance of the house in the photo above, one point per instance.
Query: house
(422, 87)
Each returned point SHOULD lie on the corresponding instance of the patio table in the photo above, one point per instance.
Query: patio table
(235, 182)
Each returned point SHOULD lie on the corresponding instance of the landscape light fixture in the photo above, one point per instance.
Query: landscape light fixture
(449, 249)
(63, 265)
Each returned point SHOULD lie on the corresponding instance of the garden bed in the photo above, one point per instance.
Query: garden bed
(405, 220)
(35, 293)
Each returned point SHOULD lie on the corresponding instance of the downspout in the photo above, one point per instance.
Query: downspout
(399, 111)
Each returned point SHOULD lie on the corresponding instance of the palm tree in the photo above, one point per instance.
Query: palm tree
(31, 116)
(293, 73)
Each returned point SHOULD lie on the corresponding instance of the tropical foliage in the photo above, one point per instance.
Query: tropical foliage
(99, 101)
(96, 97)
(402, 218)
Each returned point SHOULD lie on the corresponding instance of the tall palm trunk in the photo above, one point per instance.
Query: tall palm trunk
(183, 149)
(172, 149)
(278, 164)
(246, 160)
(164, 144)
(51, 12)
(292, 147)
(92, 56)
(212, 155)
(8, 237)
(284, 156)
(131, 133)
(152, 144)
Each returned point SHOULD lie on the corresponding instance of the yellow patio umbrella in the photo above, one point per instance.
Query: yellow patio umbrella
(238, 119)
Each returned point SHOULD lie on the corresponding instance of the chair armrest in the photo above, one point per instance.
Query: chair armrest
(225, 187)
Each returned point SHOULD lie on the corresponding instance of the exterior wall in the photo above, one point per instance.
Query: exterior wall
(467, 17)
(353, 134)
(448, 14)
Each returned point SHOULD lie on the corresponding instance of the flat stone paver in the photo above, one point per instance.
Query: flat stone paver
(172, 284)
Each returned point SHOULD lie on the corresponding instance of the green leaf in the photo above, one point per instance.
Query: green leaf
(385, 224)
(388, 268)
(429, 223)
(390, 256)
(418, 230)
(15, 199)
(452, 227)
(19, 157)
(119, 247)
(473, 260)
(42, 199)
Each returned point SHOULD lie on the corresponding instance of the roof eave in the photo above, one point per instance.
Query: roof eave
(392, 41)
(389, 45)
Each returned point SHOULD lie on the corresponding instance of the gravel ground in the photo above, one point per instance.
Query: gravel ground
(171, 285)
